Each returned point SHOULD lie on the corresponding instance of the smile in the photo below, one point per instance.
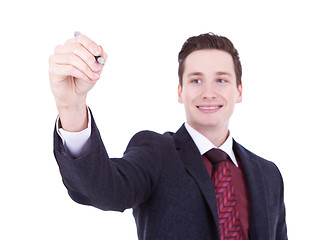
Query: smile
(209, 108)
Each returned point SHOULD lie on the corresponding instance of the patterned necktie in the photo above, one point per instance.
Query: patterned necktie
(229, 222)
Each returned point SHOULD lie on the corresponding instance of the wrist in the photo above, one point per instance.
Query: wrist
(73, 118)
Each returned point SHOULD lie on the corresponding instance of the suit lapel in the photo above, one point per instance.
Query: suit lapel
(259, 221)
(194, 165)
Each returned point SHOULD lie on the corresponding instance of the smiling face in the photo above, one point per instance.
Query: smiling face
(209, 90)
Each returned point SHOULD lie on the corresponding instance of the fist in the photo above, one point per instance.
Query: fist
(74, 70)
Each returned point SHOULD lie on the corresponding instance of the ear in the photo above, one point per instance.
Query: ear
(239, 98)
(179, 91)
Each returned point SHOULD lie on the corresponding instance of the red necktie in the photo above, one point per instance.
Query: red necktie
(229, 222)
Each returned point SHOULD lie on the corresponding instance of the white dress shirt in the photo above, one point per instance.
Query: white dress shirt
(75, 141)
(203, 144)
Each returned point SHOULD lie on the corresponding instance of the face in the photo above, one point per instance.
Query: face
(209, 90)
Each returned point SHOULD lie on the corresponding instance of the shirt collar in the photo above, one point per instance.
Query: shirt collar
(203, 144)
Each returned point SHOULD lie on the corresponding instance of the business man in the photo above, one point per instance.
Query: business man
(197, 183)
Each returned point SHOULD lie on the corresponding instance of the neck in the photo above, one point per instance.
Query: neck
(216, 135)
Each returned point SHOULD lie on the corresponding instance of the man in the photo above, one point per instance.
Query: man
(197, 183)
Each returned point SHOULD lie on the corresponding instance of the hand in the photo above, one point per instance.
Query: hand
(73, 71)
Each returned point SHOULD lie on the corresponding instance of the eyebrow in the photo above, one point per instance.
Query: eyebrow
(223, 73)
(195, 74)
(201, 74)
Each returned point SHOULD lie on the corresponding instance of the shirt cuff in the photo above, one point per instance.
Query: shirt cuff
(75, 141)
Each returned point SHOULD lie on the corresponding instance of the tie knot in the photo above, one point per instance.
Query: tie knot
(216, 156)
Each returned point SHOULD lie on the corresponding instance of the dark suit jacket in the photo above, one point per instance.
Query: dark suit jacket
(163, 178)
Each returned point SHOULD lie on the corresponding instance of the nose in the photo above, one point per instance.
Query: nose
(209, 92)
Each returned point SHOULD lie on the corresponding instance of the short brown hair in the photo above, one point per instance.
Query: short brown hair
(209, 41)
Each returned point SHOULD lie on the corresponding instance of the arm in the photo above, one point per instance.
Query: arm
(111, 184)
(93, 178)
(275, 196)
(281, 231)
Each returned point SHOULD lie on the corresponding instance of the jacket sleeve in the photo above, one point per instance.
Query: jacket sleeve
(275, 197)
(281, 231)
(111, 184)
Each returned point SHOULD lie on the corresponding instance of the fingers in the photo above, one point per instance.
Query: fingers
(104, 55)
(79, 54)
(77, 50)
(90, 45)
(70, 64)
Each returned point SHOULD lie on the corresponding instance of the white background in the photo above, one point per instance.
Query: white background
(280, 118)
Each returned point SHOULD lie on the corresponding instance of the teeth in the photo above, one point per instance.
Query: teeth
(209, 108)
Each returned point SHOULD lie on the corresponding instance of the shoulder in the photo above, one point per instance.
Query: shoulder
(267, 167)
(150, 138)
(149, 150)
(151, 141)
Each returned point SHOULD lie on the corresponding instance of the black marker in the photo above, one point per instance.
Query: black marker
(99, 59)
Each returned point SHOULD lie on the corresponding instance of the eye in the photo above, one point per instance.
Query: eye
(196, 81)
(221, 80)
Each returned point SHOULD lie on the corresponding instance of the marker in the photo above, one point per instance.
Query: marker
(99, 59)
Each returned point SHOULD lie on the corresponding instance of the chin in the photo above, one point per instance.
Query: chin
(205, 124)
